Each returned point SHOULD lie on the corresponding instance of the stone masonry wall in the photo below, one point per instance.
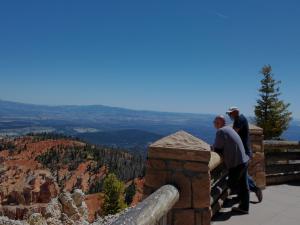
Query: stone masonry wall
(183, 161)
(257, 163)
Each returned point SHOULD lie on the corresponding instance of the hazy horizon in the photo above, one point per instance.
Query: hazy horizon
(138, 109)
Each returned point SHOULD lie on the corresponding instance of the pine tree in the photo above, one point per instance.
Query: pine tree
(271, 113)
(113, 195)
(129, 193)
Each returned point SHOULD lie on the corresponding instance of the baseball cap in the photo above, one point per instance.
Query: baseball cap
(232, 109)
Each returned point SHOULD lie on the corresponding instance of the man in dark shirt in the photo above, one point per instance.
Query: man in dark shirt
(241, 126)
(229, 145)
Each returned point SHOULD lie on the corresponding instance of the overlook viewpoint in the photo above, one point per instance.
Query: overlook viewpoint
(195, 191)
(185, 184)
(200, 196)
(158, 112)
(280, 206)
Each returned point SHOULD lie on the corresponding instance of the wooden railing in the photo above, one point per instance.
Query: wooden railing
(153, 210)
(219, 189)
(282, 161)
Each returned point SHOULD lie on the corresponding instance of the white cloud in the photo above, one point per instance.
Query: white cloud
(221, 15)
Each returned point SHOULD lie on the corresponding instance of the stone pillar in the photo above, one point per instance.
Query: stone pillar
(183, 161)
(257, 163)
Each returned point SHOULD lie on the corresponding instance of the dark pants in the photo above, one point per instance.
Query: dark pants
(238, 179)
(252, 184)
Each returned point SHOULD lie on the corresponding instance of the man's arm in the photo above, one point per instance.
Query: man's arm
(219, 142)
(237, 125)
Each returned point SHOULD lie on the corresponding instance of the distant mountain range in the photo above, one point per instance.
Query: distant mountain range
(108, 125)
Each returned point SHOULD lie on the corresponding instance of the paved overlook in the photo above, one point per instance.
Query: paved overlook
(281, 206)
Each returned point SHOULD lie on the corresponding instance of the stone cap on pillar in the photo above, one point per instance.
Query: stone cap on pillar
(180, 146)
(253, 129)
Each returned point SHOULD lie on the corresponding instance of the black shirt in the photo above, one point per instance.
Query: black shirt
(241, 123)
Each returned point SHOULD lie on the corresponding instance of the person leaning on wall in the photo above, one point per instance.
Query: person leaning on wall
(229, 145)
(241, 126)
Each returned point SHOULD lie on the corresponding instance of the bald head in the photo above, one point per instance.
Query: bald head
(219, 122)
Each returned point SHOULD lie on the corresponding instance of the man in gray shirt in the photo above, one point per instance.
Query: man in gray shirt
(230, 146)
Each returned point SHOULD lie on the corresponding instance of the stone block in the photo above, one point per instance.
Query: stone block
(203, 217)
(253, 129)
(257, 147)
(180, 146)
(258, 156)
(196, 167)
(147, 191)
(201, 192)
(178, 154)
(155, 179)
(184, 217)
(183, 184)
(261, 179)
(254, 138)
(206, 217)
(175, 165)
(257, 163)
(156, 164)
(169, 217)
(198, 218)
(182, 140)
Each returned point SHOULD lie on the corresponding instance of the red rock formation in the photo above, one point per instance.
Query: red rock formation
(48, 190)
(94, 203)
(25, 185)
(139, 186)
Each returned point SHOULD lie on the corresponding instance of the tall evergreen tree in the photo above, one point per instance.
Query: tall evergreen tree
(271, 113)
(113, 195)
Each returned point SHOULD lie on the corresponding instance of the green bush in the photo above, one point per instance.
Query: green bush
(113, 190)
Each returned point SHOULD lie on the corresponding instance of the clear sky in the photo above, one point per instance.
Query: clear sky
(183, 56)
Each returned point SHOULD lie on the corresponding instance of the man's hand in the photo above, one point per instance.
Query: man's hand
(237, 129)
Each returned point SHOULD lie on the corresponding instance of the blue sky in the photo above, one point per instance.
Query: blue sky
(183, 56)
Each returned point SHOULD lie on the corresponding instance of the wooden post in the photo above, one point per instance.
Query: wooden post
(182, 160)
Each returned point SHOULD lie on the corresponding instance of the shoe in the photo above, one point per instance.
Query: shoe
(239, 210)
(233, 192)
(259, 195)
